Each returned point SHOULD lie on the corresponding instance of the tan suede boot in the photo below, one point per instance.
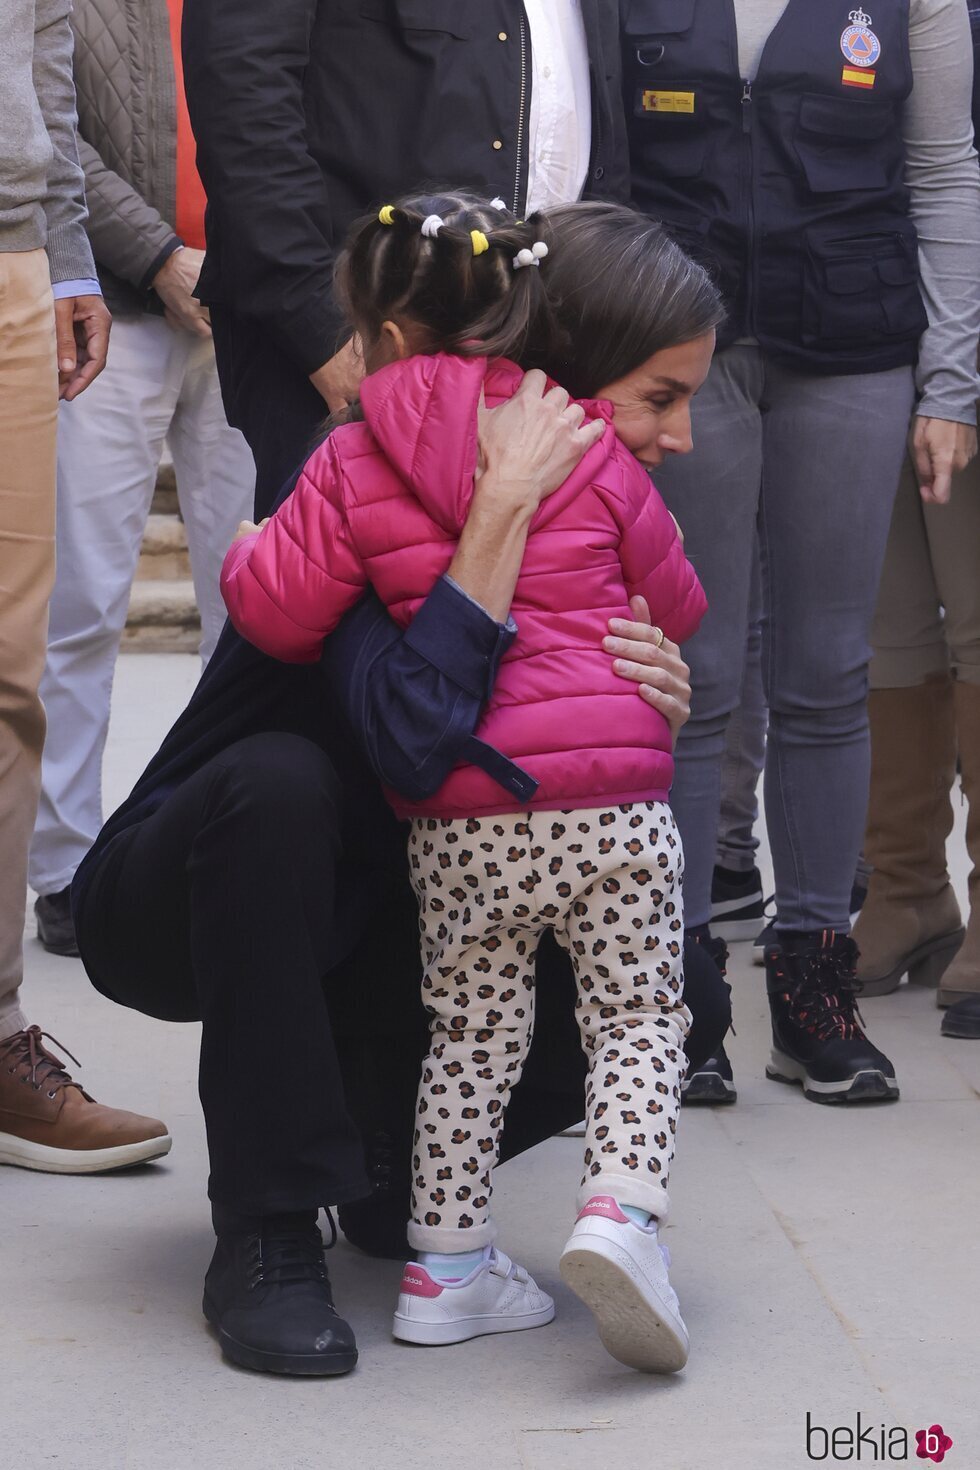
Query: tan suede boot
(910, 923)
(962, 979)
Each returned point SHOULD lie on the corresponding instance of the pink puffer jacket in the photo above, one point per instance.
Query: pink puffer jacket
(384, 502)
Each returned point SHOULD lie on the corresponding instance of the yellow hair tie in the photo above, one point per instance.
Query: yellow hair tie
(480, 242)
(387, 214)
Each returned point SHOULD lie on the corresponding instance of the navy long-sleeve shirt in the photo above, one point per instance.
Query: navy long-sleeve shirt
(396, 704)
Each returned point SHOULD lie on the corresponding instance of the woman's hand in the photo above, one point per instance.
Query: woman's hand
(531, 444)
(663, 676)
(249, 528)
(940, 449)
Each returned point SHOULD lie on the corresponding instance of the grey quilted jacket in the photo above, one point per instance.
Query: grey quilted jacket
(127, 143)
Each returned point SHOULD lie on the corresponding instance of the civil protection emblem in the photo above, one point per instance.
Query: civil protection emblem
(859, 43)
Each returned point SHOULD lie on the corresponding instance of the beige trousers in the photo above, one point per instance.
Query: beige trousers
(928, 614)
(28, 423)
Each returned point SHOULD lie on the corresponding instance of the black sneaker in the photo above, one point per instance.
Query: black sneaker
(769, 938)
(268, 1295)
(712, 1084)
(55, 928)
(737, 904)
(817, 1037)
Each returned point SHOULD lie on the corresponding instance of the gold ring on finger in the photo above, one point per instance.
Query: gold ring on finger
(660, 637)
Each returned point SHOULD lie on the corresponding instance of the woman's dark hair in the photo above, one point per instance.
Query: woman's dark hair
(620, 290)
(612, 289)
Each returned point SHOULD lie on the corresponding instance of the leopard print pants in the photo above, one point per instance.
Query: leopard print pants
(608, 883)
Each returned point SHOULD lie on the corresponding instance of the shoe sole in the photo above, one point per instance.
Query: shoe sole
(464, 1329)
(709, 1089)
(47, 1160)
(633, 1329)
(871, 1085)
(296, 1365)
(925, 966)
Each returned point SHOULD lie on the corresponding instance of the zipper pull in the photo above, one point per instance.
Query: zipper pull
(746, 106)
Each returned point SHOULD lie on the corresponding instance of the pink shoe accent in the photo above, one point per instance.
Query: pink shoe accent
(606, 1206)
(416, 1281)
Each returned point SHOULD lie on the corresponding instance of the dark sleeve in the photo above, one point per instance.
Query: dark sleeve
(244, 68)
(414, 697)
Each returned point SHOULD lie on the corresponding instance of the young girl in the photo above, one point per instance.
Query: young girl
(561, 821)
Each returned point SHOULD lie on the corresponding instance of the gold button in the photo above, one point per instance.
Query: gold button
(502, 36)
(497, 144)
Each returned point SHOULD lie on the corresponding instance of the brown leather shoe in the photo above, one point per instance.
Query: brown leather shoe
(48, 1122)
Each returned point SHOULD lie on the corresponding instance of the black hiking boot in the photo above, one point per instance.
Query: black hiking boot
(817, 1034)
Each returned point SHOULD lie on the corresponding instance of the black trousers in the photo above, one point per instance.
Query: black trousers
(233, 904)
(269, 399)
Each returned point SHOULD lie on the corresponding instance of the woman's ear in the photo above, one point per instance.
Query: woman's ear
(393, 344)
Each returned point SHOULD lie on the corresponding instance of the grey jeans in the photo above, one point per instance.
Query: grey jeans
(745, 754)
(810, 465)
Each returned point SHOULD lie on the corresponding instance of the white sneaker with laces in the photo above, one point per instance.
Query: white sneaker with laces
(497, 1296)
(619, 1270)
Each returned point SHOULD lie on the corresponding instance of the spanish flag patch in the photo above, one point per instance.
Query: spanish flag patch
(853, 76)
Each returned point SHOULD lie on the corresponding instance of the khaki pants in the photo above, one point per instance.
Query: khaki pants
(28, 420)
(928, 615)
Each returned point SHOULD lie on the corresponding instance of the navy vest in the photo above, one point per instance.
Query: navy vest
(791, 189)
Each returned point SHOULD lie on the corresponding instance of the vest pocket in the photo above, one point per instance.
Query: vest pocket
(422, 15)
(657, 17)
(861, 288)
(832, 138)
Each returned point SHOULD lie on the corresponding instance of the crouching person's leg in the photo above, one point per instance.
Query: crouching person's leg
(220, 907)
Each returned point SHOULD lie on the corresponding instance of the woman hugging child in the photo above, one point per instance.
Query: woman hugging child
(560, 819)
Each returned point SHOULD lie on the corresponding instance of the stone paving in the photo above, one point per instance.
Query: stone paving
(828, 1262)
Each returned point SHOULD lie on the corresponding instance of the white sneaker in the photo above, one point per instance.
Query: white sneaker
(619, 1271)
(495, 1297)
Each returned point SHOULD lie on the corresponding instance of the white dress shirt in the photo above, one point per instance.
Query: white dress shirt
(560, 138)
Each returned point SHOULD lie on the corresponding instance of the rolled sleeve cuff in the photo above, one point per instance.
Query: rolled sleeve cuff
(459, 638)
(159, 261)
(61, 289)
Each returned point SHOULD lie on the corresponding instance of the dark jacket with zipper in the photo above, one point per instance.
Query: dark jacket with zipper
(307, 112)
(791, 188)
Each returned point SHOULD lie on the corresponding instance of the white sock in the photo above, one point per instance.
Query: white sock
(443, 1266)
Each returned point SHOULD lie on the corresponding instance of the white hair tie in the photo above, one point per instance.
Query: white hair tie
(534, 256)
(431, 226)
(497, 203)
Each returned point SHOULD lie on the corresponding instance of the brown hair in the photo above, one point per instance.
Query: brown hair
(620, 290)
(613, 289)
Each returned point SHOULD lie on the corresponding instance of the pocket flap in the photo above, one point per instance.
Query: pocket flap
(658, 17)
(844, 117)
